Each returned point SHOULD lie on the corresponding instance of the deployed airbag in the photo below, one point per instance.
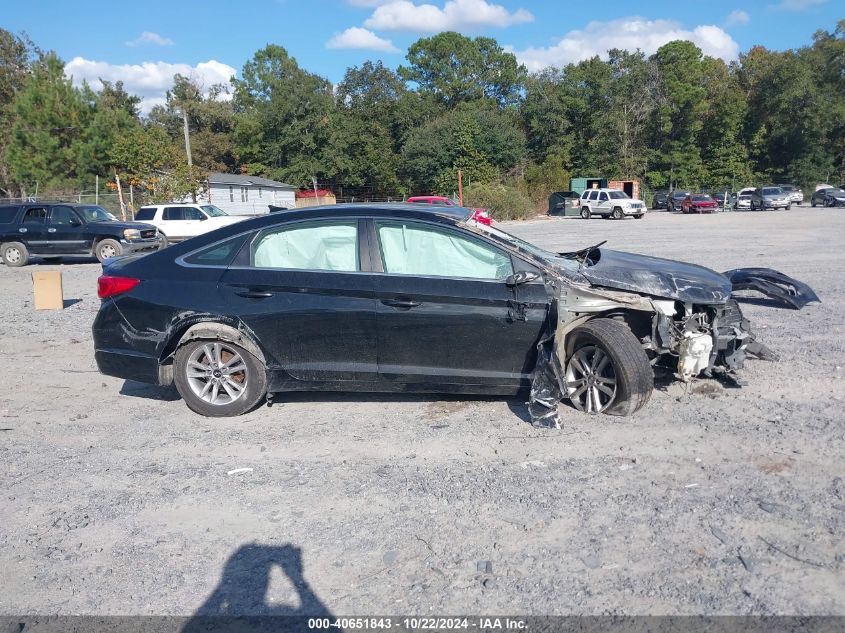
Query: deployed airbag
(775, 285)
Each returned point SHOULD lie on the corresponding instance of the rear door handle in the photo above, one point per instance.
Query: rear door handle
(251, 293)
(400, 303)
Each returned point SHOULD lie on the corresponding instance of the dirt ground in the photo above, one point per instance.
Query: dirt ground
(116, 499)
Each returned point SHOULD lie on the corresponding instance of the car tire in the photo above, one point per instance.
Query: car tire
(14, 254)
(626, 371)
(164, 242)
(191, 385)
(788, 207)
(640, 216)
(107, 248)
(585, 213)
(617, 214)
(812, 202)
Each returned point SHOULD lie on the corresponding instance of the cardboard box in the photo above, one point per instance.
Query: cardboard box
(47, 287)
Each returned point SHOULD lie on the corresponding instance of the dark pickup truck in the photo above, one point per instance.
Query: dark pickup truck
(57, 229)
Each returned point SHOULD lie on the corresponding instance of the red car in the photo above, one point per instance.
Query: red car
(482, 216)
(699, 203)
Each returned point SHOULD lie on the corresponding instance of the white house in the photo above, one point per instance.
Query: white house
(237, 194)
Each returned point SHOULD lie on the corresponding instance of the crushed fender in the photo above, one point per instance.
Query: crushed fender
(789, 292)
(546, 385)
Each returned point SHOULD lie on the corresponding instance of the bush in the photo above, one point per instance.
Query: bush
(506, 203)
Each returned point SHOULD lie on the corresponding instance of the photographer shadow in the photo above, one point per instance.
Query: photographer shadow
(239, 603)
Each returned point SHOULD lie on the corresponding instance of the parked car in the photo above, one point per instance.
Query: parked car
(721, 198)
(829, 197)
(56, 229)
(769, 198)
(610, 203)
(176, 221)
(676, 199)
(660, 200)
(391, 298)
(742, 199)
(441, 200)
(698, 203)
(795, 195)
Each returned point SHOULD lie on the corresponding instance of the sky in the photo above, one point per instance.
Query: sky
(144, 44)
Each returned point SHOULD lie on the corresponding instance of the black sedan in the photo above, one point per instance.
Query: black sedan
(660, 200)
(404, 298)
(828, 197)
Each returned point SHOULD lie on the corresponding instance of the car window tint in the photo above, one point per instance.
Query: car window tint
(409, 248)
(7, 214)
(220, 254)
(194, 214)
(145, 213)
(602, 197)
(173, 213)
(594, 195)
(36, 214)
(317, 246)
(62, 216)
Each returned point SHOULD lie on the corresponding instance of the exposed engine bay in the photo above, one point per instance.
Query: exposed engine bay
(685, 317)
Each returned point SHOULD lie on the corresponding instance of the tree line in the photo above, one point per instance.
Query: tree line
(676, 118)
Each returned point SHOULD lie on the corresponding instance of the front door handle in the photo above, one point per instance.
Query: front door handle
(22, 230)
(51, 230)
(406, 304)
(251, 293)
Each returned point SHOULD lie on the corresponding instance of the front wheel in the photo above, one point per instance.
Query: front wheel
(15, 254)
(219, 379)
(607, 370)
(108, 248)
(640, 216)
(585, 213)
(812, 202)
(164, 243)
(617, 214)
(788, 207)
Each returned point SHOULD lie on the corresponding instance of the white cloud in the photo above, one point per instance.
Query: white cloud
(149, 80)
(356, 37)
(737, 18)
(404, 15)
(147, 37)
(795, 5)
(629, 34)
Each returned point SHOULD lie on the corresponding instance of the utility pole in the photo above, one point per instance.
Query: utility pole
(188, 149)
(460, 189)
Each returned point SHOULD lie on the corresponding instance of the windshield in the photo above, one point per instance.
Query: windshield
(787, 188)
(618, 195)
(528, 247)
(701, 198)
(771, 191)
(212, 211)
(96, 214)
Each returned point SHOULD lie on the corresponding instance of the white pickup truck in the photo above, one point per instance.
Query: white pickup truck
(178, 221)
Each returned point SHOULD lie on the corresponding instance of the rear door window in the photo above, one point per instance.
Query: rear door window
(594, 195)
(308, 246)
(174, 213)
(35, 215)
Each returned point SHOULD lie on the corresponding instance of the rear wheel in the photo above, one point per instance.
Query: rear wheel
(585, 213)
(107, 248)
(617, 213)
(219, 379)
(14, 254)
(607, 370)
(164, 242)
(812, 202)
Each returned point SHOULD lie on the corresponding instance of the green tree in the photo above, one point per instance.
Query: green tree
(283, 117)
(16, 55)
(51, 119)
(456, 69)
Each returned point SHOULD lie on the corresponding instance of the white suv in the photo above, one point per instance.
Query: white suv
(177, 221)
(610, 203)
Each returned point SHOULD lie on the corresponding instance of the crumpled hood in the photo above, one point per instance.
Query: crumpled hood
(658, 277)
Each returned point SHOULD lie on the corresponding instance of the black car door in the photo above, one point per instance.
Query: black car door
(299, 287)
(445, 314)
(66, 232)
(33, 230)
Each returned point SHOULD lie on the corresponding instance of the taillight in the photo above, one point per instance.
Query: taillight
(110, 286)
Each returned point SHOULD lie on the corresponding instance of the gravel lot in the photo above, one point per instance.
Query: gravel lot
(116, 499)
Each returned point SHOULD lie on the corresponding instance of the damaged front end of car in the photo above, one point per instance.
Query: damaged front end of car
(685, 318)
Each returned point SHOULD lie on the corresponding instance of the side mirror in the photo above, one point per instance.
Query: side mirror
(521, 277)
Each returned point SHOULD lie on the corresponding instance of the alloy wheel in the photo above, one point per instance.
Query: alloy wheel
(590, 379)
(216, 373)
